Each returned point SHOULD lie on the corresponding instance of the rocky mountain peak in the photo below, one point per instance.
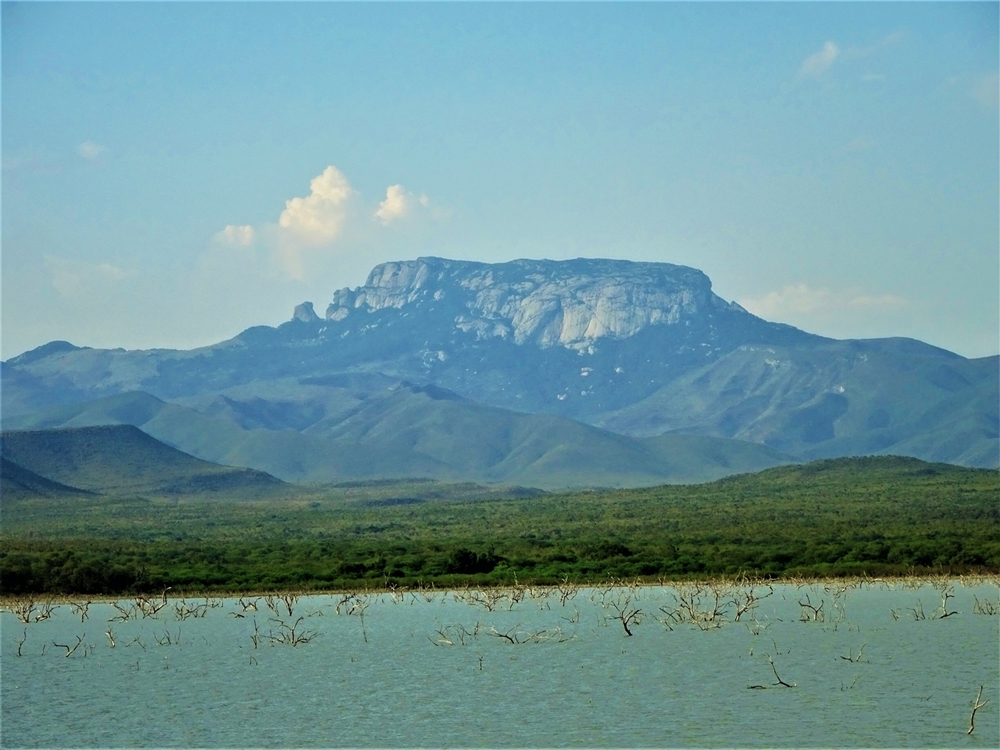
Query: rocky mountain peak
(543, 302)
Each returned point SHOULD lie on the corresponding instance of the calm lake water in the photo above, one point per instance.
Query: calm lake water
(535, 673)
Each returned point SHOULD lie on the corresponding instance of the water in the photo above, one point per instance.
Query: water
(575, 679)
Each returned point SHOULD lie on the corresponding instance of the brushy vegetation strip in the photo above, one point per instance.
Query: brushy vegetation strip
(879, 516)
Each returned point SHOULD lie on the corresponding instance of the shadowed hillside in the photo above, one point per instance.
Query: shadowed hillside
(123, 459)
(16, 483)
(304, 432)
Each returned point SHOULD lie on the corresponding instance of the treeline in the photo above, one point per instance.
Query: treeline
(92, 567)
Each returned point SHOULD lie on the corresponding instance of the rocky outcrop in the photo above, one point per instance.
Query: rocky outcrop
(305, 313)
(546, 303)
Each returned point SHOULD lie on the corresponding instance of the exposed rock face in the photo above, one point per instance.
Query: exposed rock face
(546, 303)
(305, 313)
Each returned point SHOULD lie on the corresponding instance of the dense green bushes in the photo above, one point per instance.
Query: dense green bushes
(880, 517)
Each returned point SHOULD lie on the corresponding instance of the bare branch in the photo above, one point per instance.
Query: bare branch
(71, 650)
(976, 705)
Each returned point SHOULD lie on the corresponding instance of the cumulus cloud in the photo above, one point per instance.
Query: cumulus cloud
(800, 299)
(319, 217)
(817, 64)
(90, 150)
(237, 236)
(397, 204)
(315, 232)
(73, 277)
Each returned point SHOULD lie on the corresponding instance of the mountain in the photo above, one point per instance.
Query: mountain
(838, 398)
(17, 483)
(119, 459)
(323, 433)
(639, 349)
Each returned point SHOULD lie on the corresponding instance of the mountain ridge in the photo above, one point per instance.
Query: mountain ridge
(411, 431)
(641, 349)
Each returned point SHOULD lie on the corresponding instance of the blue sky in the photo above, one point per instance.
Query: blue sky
(175, 173)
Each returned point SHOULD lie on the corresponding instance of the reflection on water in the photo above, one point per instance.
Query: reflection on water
(870, 666)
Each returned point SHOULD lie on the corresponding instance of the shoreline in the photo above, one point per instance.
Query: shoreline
(991, 578)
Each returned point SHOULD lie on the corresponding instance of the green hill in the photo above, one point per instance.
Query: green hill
(17, 483)
(121, 459)
(322, 433)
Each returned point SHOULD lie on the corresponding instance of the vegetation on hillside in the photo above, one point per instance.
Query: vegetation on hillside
(879, 516)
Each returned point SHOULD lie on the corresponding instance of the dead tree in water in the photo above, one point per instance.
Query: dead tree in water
(150, 607)
(625, 613)
(183, 610)
(450, 635)
(747, 599)
(780, 682)
(518, 637)
(275, 602)
(23, 609)
(289, 635)
(811, 613)
(976, 705)
(618, 597)
(71, 650)
(80, 609)
(27, 610)
(985, 607)
(566, 590)
(942, 612)
(691, 609)
(851, 657)
(124, 615)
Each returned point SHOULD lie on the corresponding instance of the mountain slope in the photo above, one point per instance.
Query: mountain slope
(123, 459)
(413, 431)
(17, 483)
(839, 398)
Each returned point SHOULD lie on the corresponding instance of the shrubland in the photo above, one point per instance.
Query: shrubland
(879, 516)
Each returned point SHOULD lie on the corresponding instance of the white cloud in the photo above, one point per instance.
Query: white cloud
(799, 300)
(319, 217)
(72, 278)
(90, 150)
(238, 236)
(397, 204)
(322, 230)
(816, 65)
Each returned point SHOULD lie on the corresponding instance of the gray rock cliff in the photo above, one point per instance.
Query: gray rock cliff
(570, 304)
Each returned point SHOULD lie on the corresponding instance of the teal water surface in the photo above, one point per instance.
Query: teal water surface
(533, 669)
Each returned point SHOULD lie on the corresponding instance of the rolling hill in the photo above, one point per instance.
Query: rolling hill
(408, 431)
(120, 459)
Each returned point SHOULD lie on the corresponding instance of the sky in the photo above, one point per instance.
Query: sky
(175, 173)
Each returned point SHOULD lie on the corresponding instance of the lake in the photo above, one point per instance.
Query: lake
(869, 665)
